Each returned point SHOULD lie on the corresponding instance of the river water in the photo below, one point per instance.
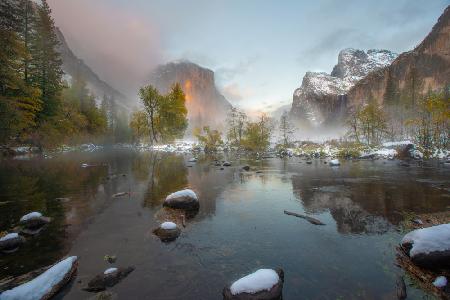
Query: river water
(240, 226)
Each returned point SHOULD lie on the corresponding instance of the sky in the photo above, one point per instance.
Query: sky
(258, 49)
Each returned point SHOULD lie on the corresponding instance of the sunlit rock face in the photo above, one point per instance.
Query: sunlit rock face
(321, 97)
(206, 106)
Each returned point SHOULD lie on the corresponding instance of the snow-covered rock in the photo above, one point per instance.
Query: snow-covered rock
(429, 247)
(167, 232)
(168, 225)
(226, 164)
(108, 278)
(193, 159)
(10, 242)
(335, 162)
(110, 271)
(440, 282)
(262, 284)
(184, 199)
(45, 285)
(33, 220)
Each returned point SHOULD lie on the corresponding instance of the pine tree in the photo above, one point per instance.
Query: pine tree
(48, 73)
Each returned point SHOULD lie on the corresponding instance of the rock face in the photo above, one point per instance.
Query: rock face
(73, 66)
(413, 73)
(206, 106)
(321, 98)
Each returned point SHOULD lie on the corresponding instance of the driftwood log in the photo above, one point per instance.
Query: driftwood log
(307, 218)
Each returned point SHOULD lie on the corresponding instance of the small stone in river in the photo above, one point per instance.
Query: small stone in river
(226, 164)
(309, 162)
(108, 278)
(264, 284)
(167, 232)
(110, 258)
(33, 220)
(440, 282)
(335, 162)
(246, 168)
(121, 194)
(10, 242)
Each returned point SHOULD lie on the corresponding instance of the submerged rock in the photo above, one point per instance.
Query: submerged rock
(264, 284)
(10, 242)
(184, 199)
(33, 220)
(47, 284)
(167, 231)
(429, 247)
(110, 277)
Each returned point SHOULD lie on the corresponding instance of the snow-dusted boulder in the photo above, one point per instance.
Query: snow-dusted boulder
(226, 164)
(167, 231)
(110, 277)
(192, 160)
(335, 162)
(440, 282)
(429, 247)
(10, 242)
(264, 284)
(33, 220)
(184, 199)
(45, 285)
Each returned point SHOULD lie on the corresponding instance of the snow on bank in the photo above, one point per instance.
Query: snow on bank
(168, 226)
(261, 280)
(427, 240)
(30, 216)
(43, 284)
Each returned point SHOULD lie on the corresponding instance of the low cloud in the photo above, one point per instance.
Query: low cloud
(234, 92)
(121, 47)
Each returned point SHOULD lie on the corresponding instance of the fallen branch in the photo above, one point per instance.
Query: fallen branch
(307, 218)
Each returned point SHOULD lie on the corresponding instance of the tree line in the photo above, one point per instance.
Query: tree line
(37, 106)
(426, 121)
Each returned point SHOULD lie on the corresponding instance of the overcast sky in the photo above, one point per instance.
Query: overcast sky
(259, 50)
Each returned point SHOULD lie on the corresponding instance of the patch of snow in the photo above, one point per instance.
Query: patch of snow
(399, 143)
(30, 216)
(40, 286)
(427, 240)
(261, 280)
(9, 236)
(440, 281)
(168, 225)
(110, 271)
(183, 193)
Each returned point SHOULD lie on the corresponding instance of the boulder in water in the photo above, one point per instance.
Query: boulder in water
(246, 168)
(335, 162)
(167, 231)
(226, 164)
(184, 199)
(110, 277)
(429, 247)
(33, 220)
(10, 242)
(264, 284)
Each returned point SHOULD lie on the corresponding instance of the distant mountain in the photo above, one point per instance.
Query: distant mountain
(72, 66)
(206, 106)
(413, 73)
(321, 97)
